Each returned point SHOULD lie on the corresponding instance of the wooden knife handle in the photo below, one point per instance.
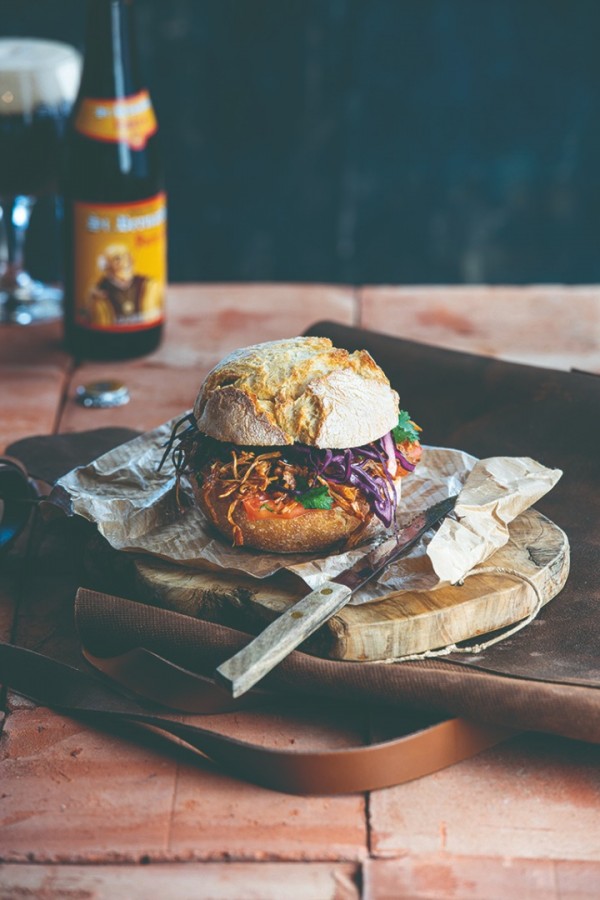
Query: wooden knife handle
(256, 659)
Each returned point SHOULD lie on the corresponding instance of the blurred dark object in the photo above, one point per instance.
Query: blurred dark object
(18, 495)
(38, 83)
(336, 140)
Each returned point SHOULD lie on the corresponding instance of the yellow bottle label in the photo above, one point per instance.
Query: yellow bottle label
(128, 120)
(120, 264)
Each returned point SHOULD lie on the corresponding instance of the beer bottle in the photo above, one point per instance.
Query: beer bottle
(115, 205)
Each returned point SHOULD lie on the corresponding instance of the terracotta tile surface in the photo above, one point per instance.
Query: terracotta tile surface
(34, 345)
(521, 324)
(29, 398)
(234, 820)
(73, 794)
(217, 817)
(444, 877)
(157, 394)
(267, 881)
(534, 796)
(219, 318)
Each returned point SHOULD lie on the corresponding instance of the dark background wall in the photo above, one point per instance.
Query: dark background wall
(418, 141)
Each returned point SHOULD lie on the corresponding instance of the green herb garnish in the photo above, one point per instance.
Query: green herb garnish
(316, 498)
(405, 430)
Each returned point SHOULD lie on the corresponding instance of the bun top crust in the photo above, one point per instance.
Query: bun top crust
(301, 390)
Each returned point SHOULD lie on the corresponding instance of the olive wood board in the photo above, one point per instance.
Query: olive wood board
(397, 625)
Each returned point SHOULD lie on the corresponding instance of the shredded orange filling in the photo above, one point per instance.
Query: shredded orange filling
(247, 475)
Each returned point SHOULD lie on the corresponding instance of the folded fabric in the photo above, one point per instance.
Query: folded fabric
(109, 626)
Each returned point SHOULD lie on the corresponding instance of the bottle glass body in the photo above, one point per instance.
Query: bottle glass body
(115, 212)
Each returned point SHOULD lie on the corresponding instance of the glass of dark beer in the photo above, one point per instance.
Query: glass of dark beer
(38, 85)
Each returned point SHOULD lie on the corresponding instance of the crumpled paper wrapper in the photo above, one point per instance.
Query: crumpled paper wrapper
(134, 507)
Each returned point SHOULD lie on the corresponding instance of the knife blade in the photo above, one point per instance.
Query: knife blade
(243, 670)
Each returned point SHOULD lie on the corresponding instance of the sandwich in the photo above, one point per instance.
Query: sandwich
(296, 446)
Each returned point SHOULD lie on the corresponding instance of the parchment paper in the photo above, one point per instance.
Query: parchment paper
(135, 509)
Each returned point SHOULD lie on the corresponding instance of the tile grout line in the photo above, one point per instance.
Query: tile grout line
(169, 834)
(70, 370)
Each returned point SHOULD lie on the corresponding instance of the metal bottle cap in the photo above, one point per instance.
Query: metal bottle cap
(102, 394)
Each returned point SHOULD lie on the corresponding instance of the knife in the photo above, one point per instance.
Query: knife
(256, 659)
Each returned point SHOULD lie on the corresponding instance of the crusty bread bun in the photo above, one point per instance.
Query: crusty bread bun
(317, 530)
(301, 390)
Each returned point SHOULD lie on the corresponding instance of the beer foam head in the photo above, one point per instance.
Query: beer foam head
(36, 73)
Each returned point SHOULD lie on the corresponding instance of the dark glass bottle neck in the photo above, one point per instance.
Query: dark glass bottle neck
(110, 63)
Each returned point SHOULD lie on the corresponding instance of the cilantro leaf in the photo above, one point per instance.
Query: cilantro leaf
(316, 498)
(405, 430)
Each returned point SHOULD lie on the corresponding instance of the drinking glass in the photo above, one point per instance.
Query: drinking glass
(38, 84)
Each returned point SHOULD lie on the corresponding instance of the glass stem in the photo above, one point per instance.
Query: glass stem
(15, 216)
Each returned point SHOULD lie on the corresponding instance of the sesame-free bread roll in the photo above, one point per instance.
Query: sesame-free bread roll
(301, 390)
(318, 530)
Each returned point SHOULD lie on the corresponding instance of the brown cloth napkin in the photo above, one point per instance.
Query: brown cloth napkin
(49, 456)
(110, 626)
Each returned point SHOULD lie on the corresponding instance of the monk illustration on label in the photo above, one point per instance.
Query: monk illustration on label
(121, 296)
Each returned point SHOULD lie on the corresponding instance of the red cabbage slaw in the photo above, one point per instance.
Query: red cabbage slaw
(348, 467)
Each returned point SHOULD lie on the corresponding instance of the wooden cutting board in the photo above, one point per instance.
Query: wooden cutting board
(396, 625)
